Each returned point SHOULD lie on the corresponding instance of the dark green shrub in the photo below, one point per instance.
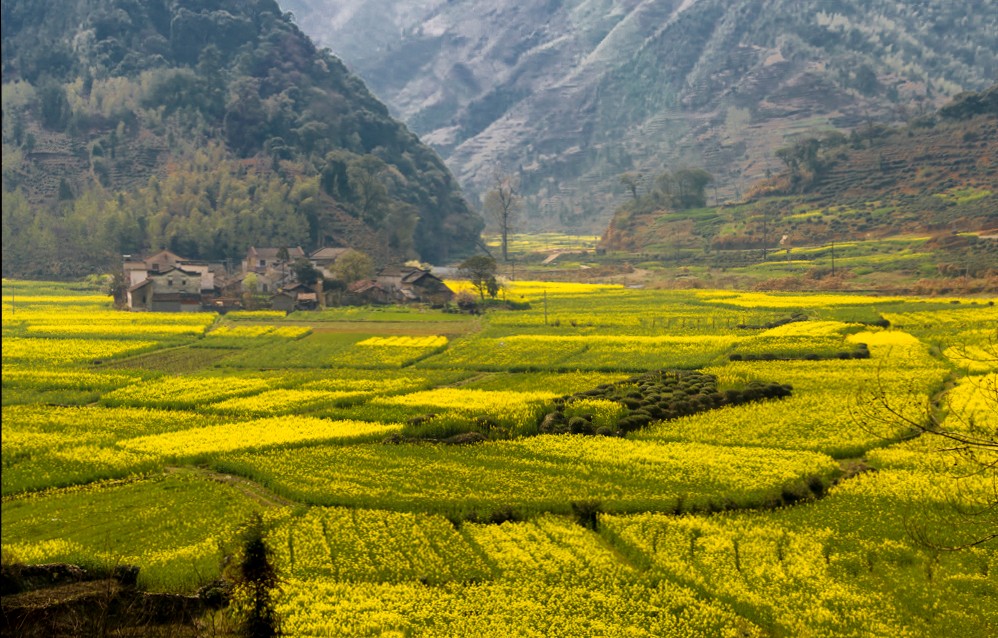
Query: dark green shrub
(504, 515)
(587, 513)
(579, 425)
(258, 576)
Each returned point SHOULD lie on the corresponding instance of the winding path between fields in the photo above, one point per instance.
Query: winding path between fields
(251, 489)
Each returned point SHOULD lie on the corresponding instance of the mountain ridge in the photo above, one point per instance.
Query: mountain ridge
(570, 94)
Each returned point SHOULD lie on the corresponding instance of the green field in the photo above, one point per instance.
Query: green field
(587, 492)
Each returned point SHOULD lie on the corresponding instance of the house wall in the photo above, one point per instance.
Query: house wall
(282, 302)
(175, 281)
(136, 276)
(165, 306)
(207, 276)
(140, 299)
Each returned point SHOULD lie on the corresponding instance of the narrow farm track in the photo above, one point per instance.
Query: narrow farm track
(471, 379)
(447, 328)
(248, 488)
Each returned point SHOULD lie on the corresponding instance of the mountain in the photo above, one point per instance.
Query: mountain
(569, 94)
(202, 126)
(927, 190)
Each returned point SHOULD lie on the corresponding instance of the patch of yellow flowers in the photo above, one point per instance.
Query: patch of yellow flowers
(254, 435)
(67, 351)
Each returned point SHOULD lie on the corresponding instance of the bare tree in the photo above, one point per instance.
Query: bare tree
(502, 205)
(971, 435)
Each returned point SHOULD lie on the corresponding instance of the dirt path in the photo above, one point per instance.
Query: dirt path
(248, 488)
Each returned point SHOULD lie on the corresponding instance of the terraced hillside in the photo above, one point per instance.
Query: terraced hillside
(929, 188)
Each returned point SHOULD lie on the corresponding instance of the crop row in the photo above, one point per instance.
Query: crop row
(174, 527)
(57, 352)
(543, 473)
(252, 435)
(603, 353)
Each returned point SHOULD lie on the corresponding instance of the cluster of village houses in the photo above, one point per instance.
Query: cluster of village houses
(166, 282)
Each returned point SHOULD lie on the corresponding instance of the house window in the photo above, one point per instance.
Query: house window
(263, 262)
(155, 267)
(169, 282)
(265, 287)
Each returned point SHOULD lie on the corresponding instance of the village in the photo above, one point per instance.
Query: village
(286, 279)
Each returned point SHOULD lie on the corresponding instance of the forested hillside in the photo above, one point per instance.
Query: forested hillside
(202, 126)
(570, 94)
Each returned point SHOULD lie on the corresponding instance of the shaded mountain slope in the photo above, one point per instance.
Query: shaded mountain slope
(203, 126)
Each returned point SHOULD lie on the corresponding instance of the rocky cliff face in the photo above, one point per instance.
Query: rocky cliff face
(572, 93)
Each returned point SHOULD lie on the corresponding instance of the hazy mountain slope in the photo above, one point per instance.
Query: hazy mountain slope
(570, 93)
(203, 126)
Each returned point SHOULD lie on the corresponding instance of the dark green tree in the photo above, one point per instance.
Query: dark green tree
(690, 188)
(632, 181)
(259, 580)
(353, 265)
(370, 195)
(479, 270)
(305, 272)
(55, 109)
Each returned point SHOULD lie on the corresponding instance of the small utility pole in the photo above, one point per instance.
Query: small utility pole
(833, 258)
(765, 233)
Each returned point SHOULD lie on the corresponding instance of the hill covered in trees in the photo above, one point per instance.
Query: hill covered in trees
(932, 181)
(202, 126)
(570, 94)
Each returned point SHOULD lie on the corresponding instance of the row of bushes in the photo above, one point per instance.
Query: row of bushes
(613, 409)
(862, 351)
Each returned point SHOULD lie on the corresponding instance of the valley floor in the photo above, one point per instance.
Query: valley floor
(653, 508)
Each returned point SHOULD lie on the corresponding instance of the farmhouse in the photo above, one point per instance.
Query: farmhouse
(415, 284)
(168, 282)
(295, 297)
(401, 285)
(170, 290)
(260, 260)
(137, 270)
(324, 258)
(368, 291)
